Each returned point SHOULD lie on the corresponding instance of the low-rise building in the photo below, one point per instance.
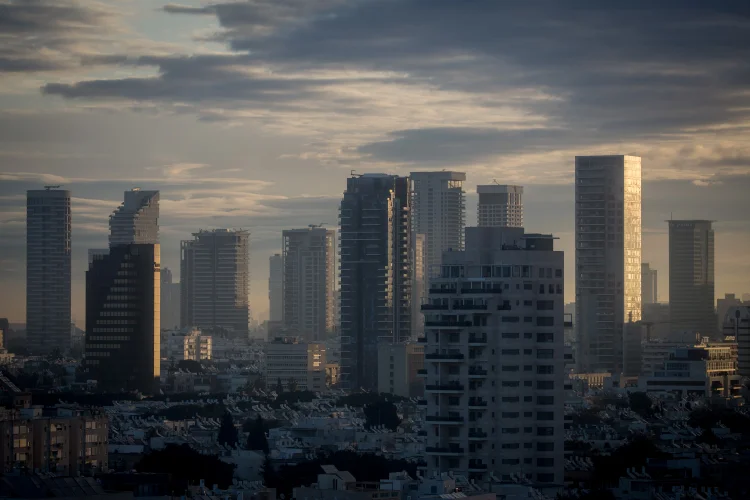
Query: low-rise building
(334, 484)
(398, 367)
(289, 360)
(188, 345)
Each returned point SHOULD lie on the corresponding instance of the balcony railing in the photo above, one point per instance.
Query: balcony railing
(444, 450)
(452, 324)
(434, 307)
(472, 307)
(476, 370)
(422, 340)
(477, 339)
(442, 290)
(477, 402)
(477, 466)
(445, 387)
(477, 434)
(482, 290)
(443, 418)
(444, 355)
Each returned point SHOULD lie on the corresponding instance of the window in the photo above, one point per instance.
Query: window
(511, 399)
(545, 462)
(545, 415)
(545, 353)
(511, 352)
(527, 414)
(545, 305)
(527, 286)
(527, 319)
(510, 446)
(545, 337)
(545, 400)
(510, 430)
(545, 385)
(527, 368)
(510, 414)
(558, 273)
(527, 383)
(527, 335)
(527, 399)
(545, 447)
(545, 431)
(510, 335)
(528, 446)
(545, 478)
(545, 321)
(511, 461)
(545, 369)
(511, 383)
(510, 319)
(528, 303)
(528, 430)
(510, 368)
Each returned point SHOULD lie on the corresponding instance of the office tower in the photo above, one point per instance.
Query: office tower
(438, 212)
(398, 369)
(48, 227)
(215, 280)
(276, 288)
(649, 286)
(420, 282)
(500, 206)
(375, 273)
(123, 339)
(170, 300)
(691, 277)
(608, 257)
(308, 281)
(136, 220)
(494, 359)
(723, 305)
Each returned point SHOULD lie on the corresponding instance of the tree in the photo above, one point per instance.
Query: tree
(228, 435)
(291, 386)
(256, 438)
(640, 403)
(187, 466)
(279, 386)
(382, 413)
(270, 478)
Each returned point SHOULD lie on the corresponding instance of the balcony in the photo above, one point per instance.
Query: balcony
(422, 340)
(444, 419)
(444, 450)
(442, 290)
(477, 403)
(453, 387)
(447, 324)
(504, 307)
(444, 356)
(469, 307)
(434, 307)
(477, 434)
(478, 339)
(477, 371)
(422, 372)
(475, 466)
(482, 290)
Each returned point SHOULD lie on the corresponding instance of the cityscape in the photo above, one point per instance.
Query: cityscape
(345, 251)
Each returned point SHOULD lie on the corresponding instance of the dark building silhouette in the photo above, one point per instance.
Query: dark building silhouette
(122, 319)
(375, 273)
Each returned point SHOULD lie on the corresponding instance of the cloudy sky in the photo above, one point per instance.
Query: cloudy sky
(252, 113)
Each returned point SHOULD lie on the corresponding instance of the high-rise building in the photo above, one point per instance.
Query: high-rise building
(48, 228)
(170, 300)
(93, 253)
(123, 338)
(276, 288)
(691, 277)
(375, 273)
(724, 304)
(608, 258)
(500, 206)
(420, 283)
(136, 220)
(438, 211)
(737, 324)
(649, 285)
(215, 280)
(309, 261)
(494, 359)
(398, 369)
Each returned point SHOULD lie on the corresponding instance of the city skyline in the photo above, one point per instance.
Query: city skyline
(117, 103)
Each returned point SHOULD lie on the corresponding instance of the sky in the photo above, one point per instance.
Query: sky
(253, 113)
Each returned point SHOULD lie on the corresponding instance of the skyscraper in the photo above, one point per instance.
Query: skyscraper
(420, 283)
(170, 300)
(216, 281)
(500, 206)
(276, 288)
(375, 273)
(494, 359)
(123, 340)
(608, 257)
(308, 281)
(691, 278)
(48, 228)
(438, 212)
(649, 285)
(136, 220)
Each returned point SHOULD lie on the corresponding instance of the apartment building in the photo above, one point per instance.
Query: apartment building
(494, 358)
(188, 345)
(500, 206)
(399, 365)
(290, 359)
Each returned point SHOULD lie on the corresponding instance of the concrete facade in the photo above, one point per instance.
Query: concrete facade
(500, 206)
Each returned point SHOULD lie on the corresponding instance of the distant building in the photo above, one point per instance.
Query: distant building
(48, 267)
(215, 281)
(649, 285)
(608, 258)
(4, 330)
(500, 206)
(170, 300)
(136, 221)
(276, 288)
(398, 369)
(438, 212)
(334, 484)
(494, 359)
(420, 284)
(737, 325)
(723, 306)
(188, 345)
(288, 359)
(122, 349)
(93, 253)
(375, 273)
(309, 273)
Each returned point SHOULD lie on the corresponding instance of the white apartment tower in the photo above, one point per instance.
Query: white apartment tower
(500, 206)
(215, 281)
(608, 257)
(438, 212)
(136, 220)
(308, 281)
(494, 359)
(275, 288)
(48, 230)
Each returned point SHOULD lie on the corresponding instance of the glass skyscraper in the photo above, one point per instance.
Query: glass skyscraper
(608, 257)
